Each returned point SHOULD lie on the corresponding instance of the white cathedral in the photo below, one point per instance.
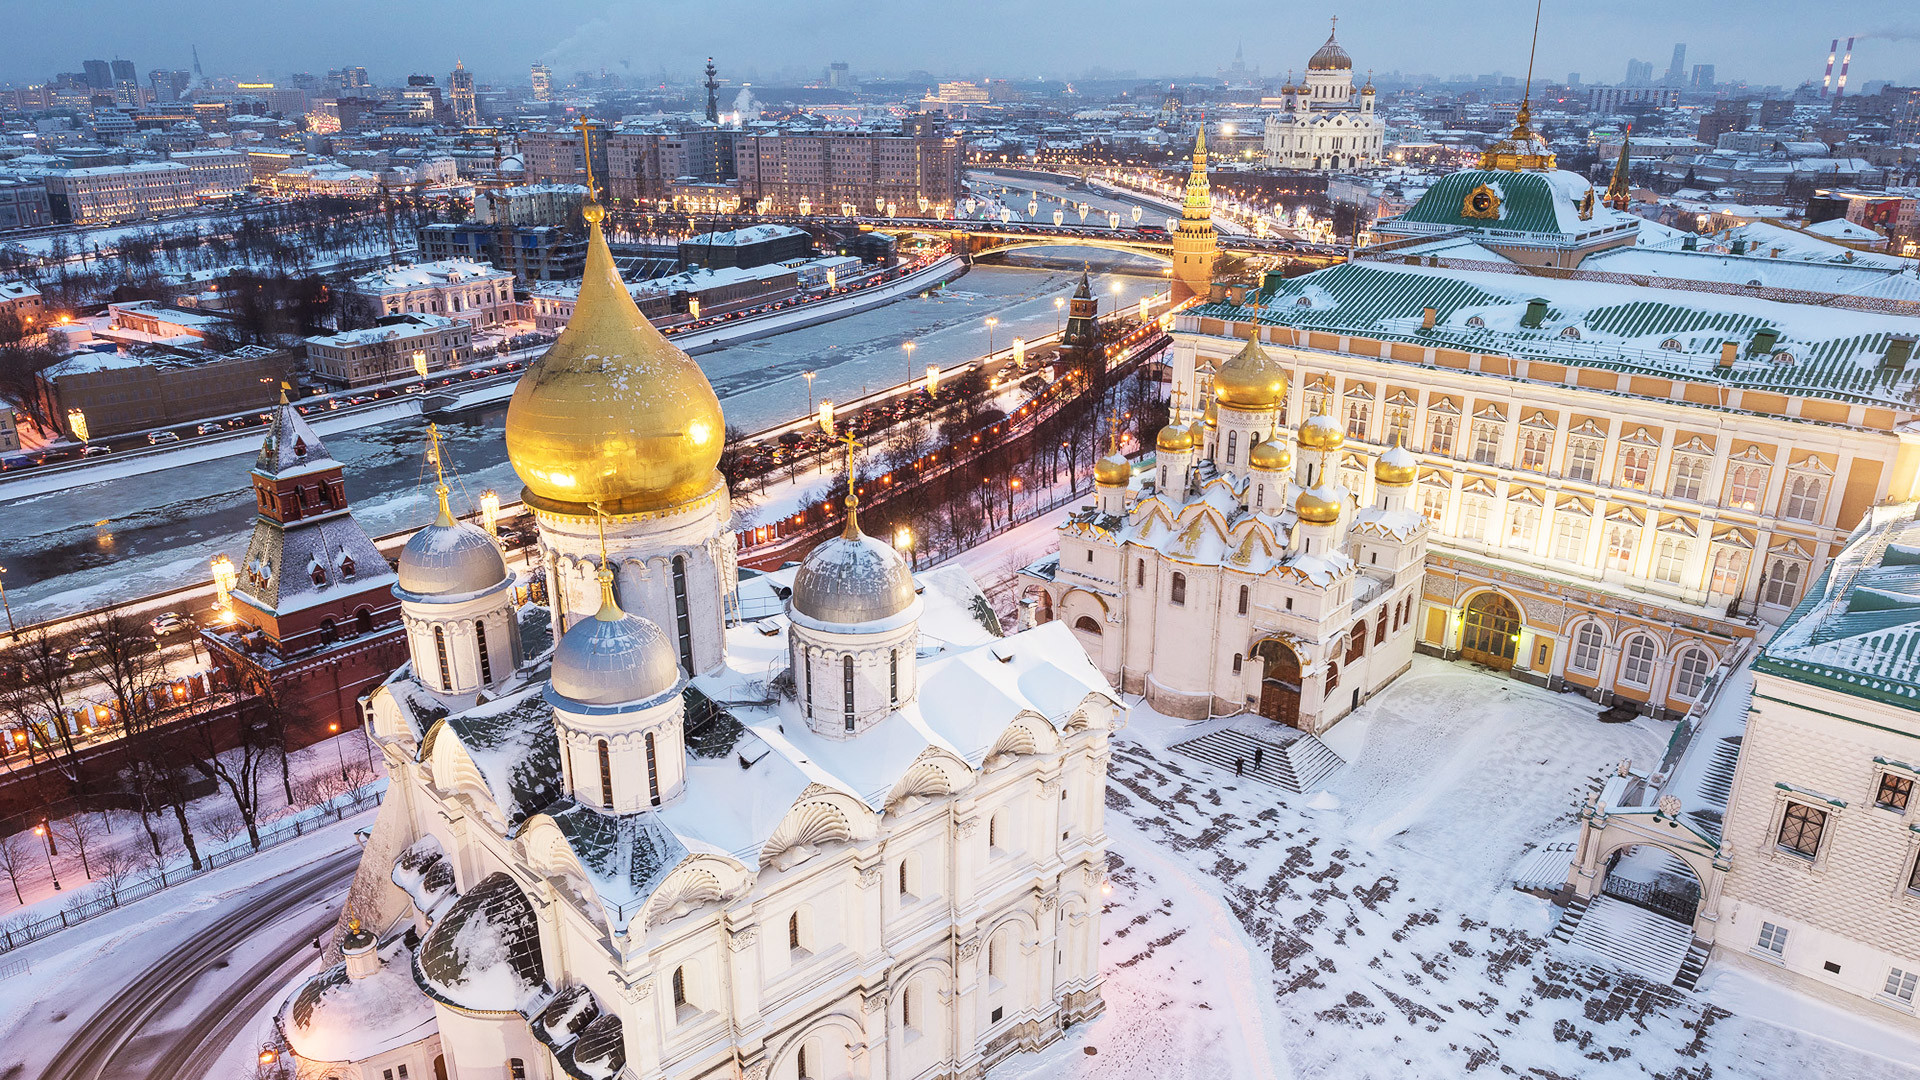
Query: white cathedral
(1239, 572)
(636, 835)
(1323, 123)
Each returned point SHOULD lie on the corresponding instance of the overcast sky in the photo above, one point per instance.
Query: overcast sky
(1761, 41)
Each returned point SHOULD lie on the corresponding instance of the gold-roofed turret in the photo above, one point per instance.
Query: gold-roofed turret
(612, 414)
(1321, 432)
(1252, 379)
(1114, 470)
(1619, 191)
(1273, 455)
(1396, 466)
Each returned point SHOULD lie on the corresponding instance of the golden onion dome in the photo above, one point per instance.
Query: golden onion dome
(1318, 506)
(1251, 380)
(1322, 432)
(1397, 466)
(1174, 439)
(1330, 57)
(612, 414)
(1211, 414)
(1113, 471)
(1272, 454)
(1367, 90)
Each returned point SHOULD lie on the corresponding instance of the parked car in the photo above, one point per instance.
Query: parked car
(170, 622)
(158, 437)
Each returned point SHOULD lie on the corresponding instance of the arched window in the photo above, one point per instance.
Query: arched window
(906, 879)
(680, 988)
(1087, 624)
(1380, 626)
(682, 620)
(319, 574)
(1689, 474)
(1244, 598)
(480, 640)
(440, 651)
(1783, 583)
(1670, 559)
(1259, 496)
(793, 931)
(653, 772)
(1633, 467)
(1621, 540)
(846, 687)
(1637, 661)
(906, 1008)
(1233, 443)
(363, 621)
(1803, 499)
(328, 631)
(1744, 487)
(516, 1068)
(994, 948)
(1690, 674)
(800, 1063)
(1333, 676)
(606, 775)
(346, 564)
(893, 676)
(807, 662)
(1587, 644)
(1357, 642)
(1139, 573)
(1179, 592)
(1729, 565)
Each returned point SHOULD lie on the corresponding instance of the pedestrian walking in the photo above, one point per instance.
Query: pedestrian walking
(1239, 766)
(1259, 752)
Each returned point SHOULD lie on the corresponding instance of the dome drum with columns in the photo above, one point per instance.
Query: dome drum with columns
(457, 604)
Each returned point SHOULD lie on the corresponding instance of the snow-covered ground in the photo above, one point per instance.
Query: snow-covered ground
(1369, 931)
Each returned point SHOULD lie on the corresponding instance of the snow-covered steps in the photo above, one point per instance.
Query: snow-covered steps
(1544, 867)
(1692, 967)
(1271, 753)
(1649, 945)
(1570, 916)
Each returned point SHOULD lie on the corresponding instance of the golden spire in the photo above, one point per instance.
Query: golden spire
(445, 518)
(1199, 202)
(609, 607)
(1522, 149)
(852, 531)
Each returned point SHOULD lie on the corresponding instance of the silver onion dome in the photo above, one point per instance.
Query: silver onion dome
(852, 579)
(450, 559)
(613, 658)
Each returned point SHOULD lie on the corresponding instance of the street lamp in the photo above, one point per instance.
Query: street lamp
(933, 379)
(991, 323)
(808, 375)
(334, 728)
(909, 346)
(45, 832)
(225, 577)
(1058, 303)
(903, 541)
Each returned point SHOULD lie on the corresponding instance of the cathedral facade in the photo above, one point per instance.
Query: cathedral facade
(1323, 123)
(631, 836)
(1239, 572)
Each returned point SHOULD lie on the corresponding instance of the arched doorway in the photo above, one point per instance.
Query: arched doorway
(1492, 634)
(1279, 682)
(1655, 879)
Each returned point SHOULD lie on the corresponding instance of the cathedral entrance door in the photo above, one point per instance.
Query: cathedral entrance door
(1279, 682)
(1492, 633)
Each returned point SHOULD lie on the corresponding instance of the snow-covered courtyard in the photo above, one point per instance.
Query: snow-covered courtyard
(1368, 930)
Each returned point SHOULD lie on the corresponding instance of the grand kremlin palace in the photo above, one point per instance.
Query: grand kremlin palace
(1632, 456)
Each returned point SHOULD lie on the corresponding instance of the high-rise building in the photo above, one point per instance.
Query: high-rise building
(542, 83)
(1639, 73)
(168, 85)
(1677, 70)
(99, 74)
(466, 110)
(123, 71)
(839, 75)
(1703, 76)
(1573, 78)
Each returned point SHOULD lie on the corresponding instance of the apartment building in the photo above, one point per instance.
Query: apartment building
(472, 292)
(400, 346)
(217, 174)
(104, 194)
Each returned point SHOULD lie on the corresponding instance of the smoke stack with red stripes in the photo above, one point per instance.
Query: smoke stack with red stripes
(1840, 88)
(1826, 83)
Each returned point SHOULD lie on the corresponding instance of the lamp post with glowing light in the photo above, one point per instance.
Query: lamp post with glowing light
(808, 375)
(991, 323)
(490, 511)
(225, 577)
(909, 346)
(1058, 303)
(44, 831)
(903, 542)
(334, 728)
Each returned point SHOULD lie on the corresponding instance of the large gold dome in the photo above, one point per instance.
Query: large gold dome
(1251, 380)
(612, 414)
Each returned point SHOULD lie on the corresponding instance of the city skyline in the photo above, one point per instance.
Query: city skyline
(1776, 43)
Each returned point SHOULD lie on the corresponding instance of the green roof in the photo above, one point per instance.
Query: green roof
(1528, 202)
(1857, 630)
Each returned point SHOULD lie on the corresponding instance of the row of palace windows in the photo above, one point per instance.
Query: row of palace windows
(1639, 653)
(1805, 829)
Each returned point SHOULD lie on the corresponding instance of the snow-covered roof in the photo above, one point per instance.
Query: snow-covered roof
(484, 953)
(426, 275)
(757, 234)
(336, 1018)
(404, 327)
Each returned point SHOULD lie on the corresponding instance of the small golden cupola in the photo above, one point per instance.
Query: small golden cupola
(1321, 432)
(612, 415)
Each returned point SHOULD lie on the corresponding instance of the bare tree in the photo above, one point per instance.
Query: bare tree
(83, 833)
(46, 702)
(15, 857)
(117, 869)
(238, 769)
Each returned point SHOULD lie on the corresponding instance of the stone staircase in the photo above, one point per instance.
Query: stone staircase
(1648, 944)
(1289, 758)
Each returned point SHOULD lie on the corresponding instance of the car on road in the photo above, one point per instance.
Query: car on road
(170, 622)
(85, 651)
(158, 437)
(414, 389)
(209, 428)
(96, 451)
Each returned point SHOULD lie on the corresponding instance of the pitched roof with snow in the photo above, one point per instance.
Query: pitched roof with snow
(1817, 352)
(1858, 628)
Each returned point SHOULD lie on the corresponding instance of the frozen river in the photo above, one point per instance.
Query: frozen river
(119, 539)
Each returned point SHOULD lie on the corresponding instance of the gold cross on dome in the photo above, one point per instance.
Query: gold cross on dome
(586, 155)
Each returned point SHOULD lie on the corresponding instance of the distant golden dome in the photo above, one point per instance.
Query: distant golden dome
(1367, 90)
(1251, 380)
(1397, 466)
(1330, 57)
(1322, 432)
(1211, 414)
(612, 414)
(1318, 506)
(1174, 438)
(1272, 454)
(1113, 470)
